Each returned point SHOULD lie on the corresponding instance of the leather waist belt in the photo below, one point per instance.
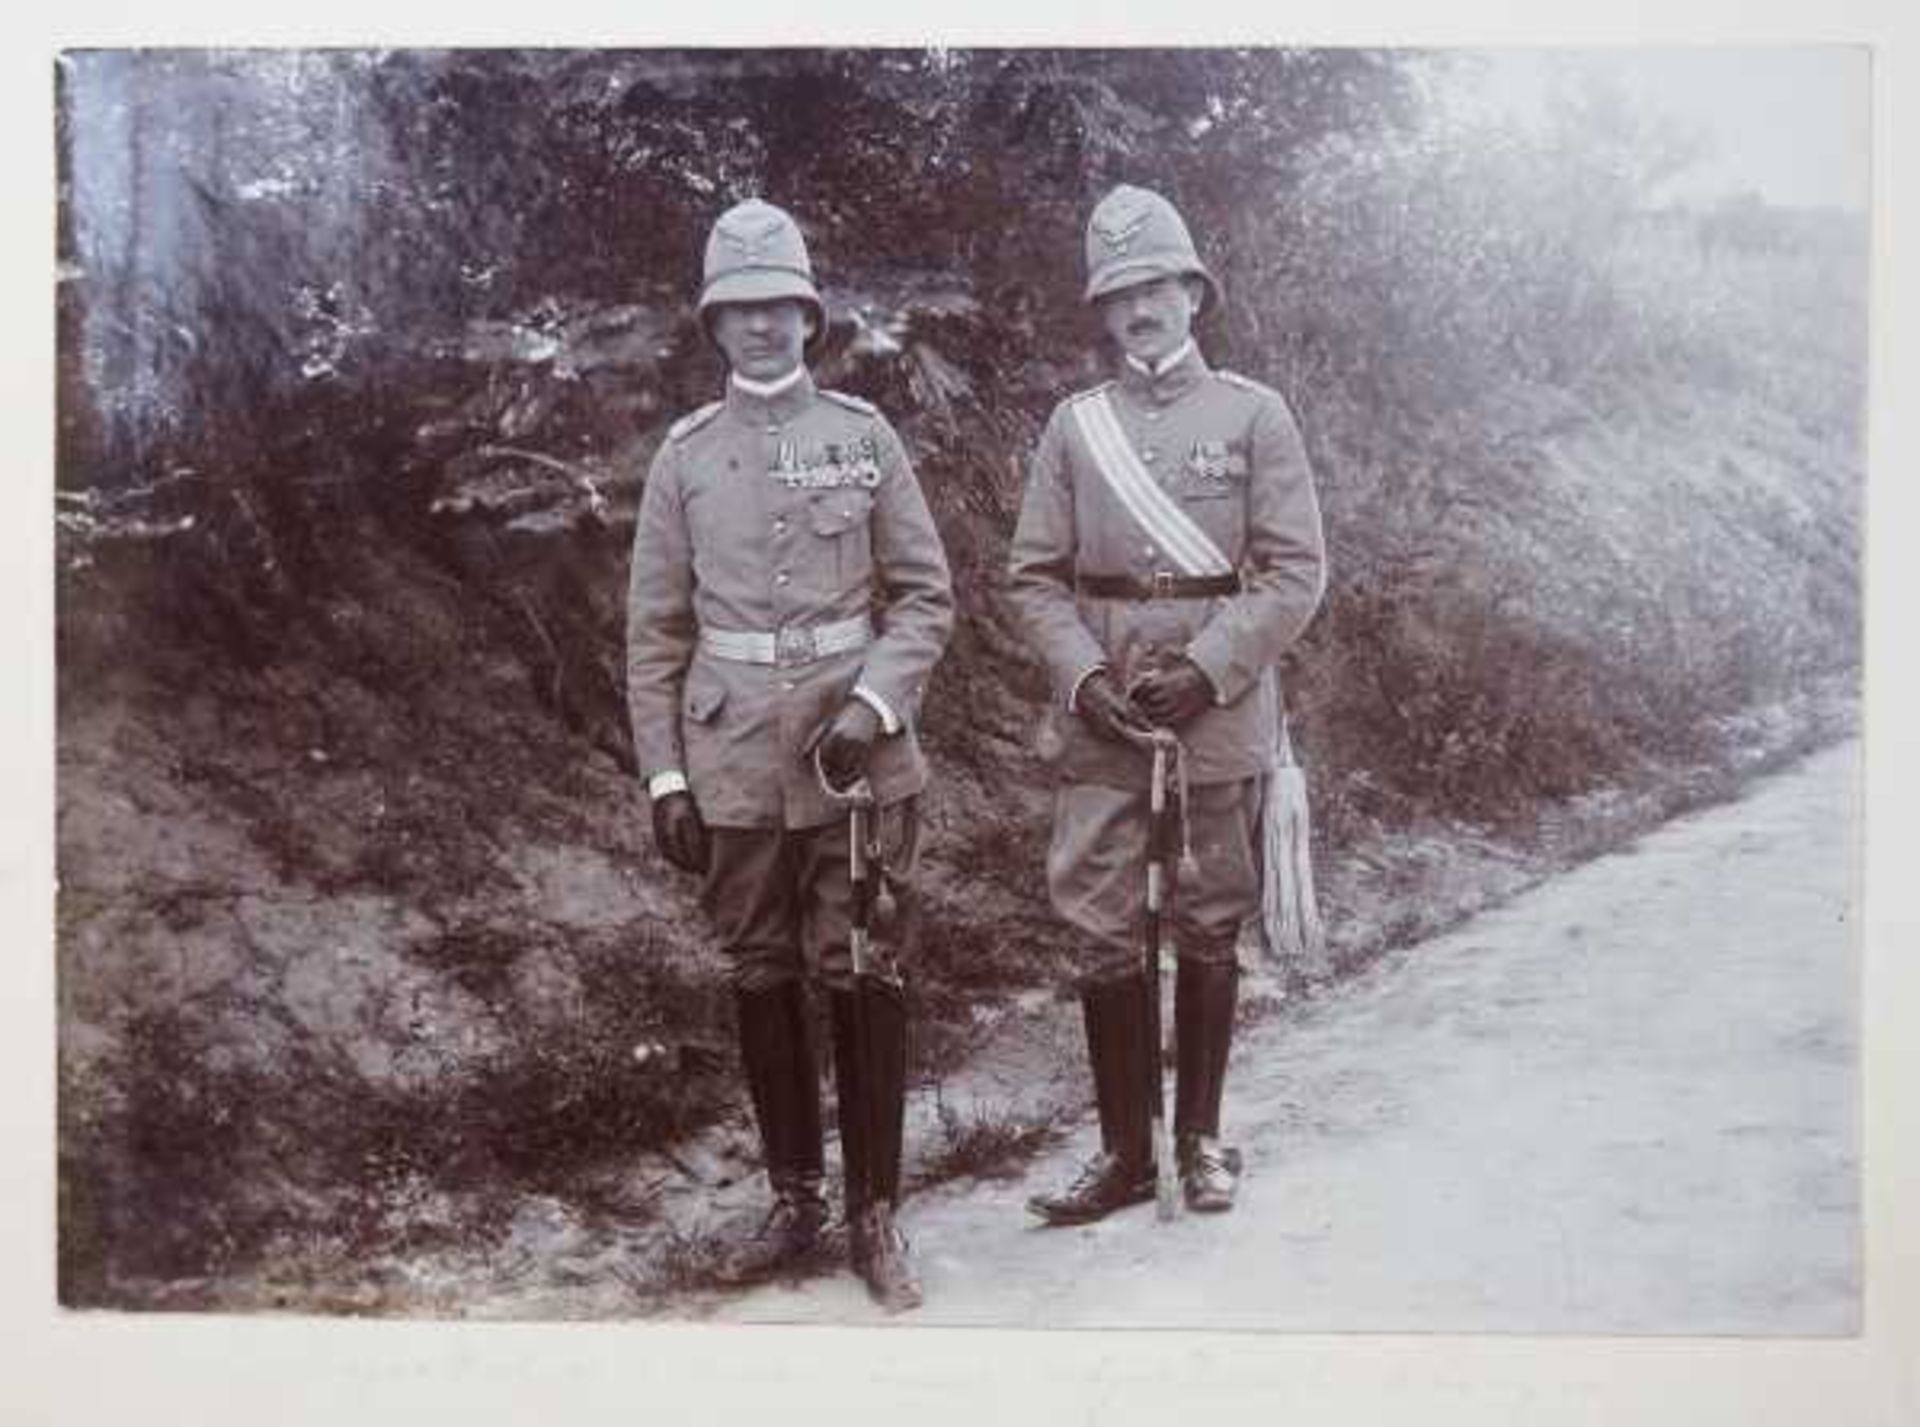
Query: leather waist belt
(790, 644)
(1163, 585)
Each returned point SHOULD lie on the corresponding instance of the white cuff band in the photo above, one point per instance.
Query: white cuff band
(1073, 694)
(889, 723)
(672, 780)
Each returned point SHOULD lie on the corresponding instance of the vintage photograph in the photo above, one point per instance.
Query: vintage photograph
(1050, 688)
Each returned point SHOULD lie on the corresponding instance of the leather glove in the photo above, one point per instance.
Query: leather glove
(1106, 713)
(845, 743)
(1175, 694)
(680, 831)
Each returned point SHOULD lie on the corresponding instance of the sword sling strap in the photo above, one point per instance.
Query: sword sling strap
(1151, 508)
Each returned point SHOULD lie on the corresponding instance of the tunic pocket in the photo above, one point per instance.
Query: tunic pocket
(1220, 509)
(842, 517)
(704, 696)
(839, 512)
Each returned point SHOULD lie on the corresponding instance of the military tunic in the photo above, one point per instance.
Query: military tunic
(1227, 450)
(762, 514)
(780, 515)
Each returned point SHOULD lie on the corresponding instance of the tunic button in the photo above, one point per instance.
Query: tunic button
(780, 525)
(1149, 455)
(787, 684)
(1153, 415)
(773, 429)
(780, 577)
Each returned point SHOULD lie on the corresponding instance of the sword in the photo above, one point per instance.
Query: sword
(1166, 748)
(863, 876)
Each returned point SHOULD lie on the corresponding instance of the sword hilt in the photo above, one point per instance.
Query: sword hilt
(863, 854)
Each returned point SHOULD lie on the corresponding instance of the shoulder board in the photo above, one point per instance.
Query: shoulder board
(1090, 391)
(851, 402)
(693, 421)
(1244, 383)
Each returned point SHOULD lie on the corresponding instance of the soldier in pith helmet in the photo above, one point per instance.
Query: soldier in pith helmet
(1168, 550)
(789, 597)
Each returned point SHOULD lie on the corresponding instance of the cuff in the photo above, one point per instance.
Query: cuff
(672, 780)
(1214, 658)
(889, 721)
(1073, 694)
(1219, 695)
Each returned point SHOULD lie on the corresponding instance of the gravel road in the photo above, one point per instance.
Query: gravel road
(1625, 1102)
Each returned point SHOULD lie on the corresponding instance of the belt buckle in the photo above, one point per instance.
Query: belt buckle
(793, 644)
(1162, 584)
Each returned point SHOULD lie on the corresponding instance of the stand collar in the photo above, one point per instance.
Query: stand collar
(1172, 377)
(773, 401)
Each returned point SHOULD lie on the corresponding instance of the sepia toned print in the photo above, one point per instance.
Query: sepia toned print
(377, 991)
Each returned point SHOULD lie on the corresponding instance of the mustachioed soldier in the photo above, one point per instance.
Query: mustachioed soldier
(789, 597)
(1168, 550)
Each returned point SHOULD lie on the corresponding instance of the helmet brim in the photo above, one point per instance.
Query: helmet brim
(760, 285)
(1120, 276)
(763, 285)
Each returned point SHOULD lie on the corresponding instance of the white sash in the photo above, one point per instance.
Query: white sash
(1186, 544)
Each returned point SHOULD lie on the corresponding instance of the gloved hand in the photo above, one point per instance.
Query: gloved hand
(680, 831)
(846, 743)
(1106, 713)
(1174, 694)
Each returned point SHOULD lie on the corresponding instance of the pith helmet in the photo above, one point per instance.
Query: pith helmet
(755, 253)
(1133, 236)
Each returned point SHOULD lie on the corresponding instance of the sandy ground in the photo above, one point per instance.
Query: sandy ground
(1624, 1102)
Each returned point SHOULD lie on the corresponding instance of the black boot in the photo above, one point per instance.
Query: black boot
(870, 1069)
(1203, 1005)
(1119, 1042)
(782, 1079)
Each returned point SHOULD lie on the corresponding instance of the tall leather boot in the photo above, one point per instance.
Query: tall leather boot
(1203, 1005)
(870, 1071)
(1119, 1042)
(783, 1081)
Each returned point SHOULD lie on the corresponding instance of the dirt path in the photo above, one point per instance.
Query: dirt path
(1625, 1102)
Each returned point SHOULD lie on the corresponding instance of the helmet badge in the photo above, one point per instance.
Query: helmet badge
(1119, 226)
(751, 235)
